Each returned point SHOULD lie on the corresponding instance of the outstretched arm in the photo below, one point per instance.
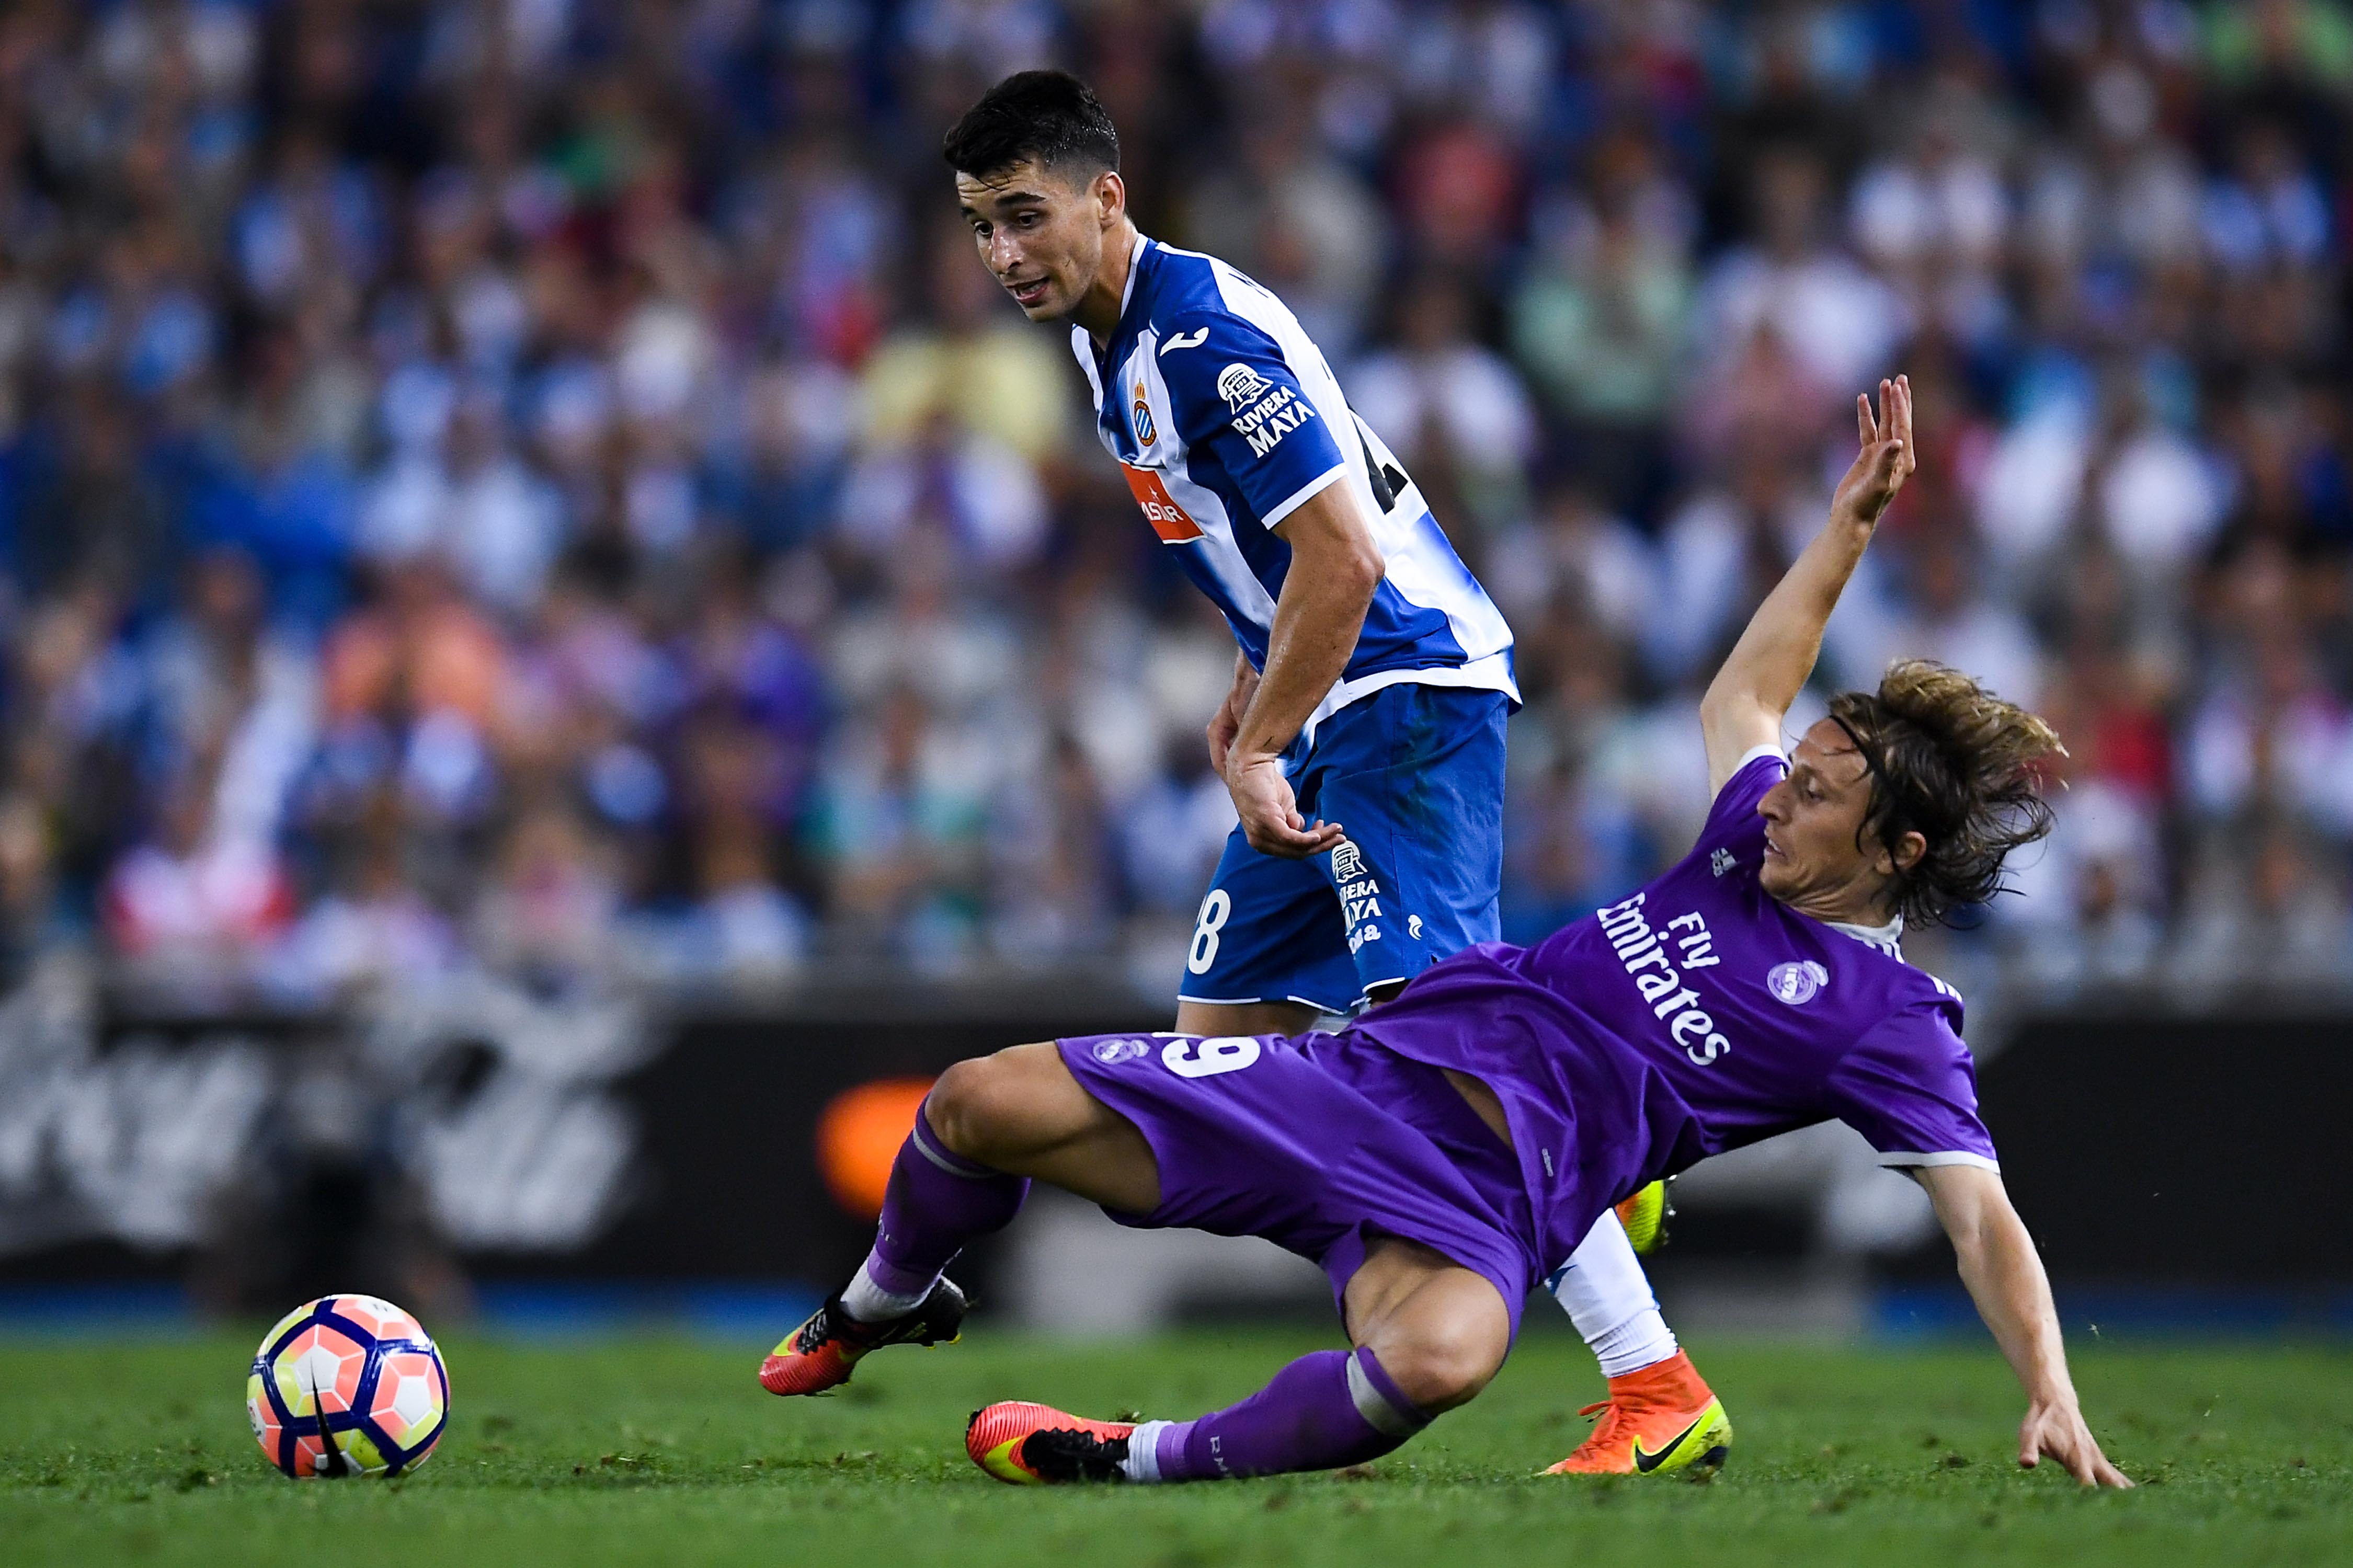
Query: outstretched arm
(2004, 1275)
(1768, 665)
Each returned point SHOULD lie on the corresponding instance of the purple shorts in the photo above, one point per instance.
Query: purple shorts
(1315, 1143)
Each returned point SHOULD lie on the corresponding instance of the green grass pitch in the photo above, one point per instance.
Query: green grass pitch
(659, 1451)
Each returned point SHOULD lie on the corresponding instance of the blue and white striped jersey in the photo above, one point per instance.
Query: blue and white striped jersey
(1224, 419)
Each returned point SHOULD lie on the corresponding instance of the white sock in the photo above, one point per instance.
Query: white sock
(1606, 1294)
(1142, 1465)
(869, 1303)
(1642, 1340)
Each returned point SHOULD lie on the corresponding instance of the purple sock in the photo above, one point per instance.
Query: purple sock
(937, 1202)
(1323, 1411)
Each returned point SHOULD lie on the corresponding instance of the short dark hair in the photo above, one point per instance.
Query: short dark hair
(1952, 761)
(1050, 118)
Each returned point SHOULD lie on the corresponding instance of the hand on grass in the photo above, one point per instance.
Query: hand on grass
(2056, 1428)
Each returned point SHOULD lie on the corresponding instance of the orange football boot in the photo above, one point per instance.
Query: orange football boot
(1039, 1445)
(819, 1355)
(1660, 1419)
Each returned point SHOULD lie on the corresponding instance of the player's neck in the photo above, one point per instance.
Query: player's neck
(1846, 906)
(1100, 307)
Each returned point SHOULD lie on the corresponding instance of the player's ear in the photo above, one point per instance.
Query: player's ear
(1110, 192)
(1904, 853)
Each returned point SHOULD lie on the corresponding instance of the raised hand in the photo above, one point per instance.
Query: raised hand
(1886, 459)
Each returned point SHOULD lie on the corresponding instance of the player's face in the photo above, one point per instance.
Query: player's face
(1041, 234)
(1815, 856)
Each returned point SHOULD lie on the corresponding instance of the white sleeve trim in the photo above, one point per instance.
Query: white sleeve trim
(1746, 757)
(1304, 494)
(1944, 1157)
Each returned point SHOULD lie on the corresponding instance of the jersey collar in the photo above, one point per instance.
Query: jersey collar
(1877, 936)
(1111, 349)
(1135, 271)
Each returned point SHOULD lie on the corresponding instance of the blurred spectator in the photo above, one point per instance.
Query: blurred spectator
(219, 673)
(1449, 405)
(1723, 551)
(1600, 317)
(779, 487)
(29, 925)
(977, 363)
(372, 928)
(1946, 613)
(195, 903)
(901, 819)
(2275, 915)
(1057, 868)
(736, 923)
(1297, 220)
(1574, 560)
(547, 915)
(474, 501)
(1840, 321)
(1174, 830)
(478, 489)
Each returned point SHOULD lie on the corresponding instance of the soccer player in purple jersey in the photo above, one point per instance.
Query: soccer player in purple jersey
(1372, 682)
(1437, 1156)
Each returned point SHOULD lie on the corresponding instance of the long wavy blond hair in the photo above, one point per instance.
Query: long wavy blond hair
(1956, 764)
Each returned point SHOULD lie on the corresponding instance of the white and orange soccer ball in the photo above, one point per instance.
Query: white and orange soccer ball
(347, 1385)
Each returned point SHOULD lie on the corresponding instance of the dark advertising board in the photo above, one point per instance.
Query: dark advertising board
(490, 1133)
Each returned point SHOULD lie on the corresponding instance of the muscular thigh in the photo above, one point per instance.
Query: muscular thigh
(1020, 1111)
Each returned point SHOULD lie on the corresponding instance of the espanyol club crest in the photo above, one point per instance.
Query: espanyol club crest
(1145, 431)
(1111, 1053)
(1796, 983)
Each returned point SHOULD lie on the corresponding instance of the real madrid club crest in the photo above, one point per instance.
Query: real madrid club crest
(1144, 434)
(1796, 983)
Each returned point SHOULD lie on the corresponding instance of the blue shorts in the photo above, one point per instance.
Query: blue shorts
(1319, 1143)
(1415, 774)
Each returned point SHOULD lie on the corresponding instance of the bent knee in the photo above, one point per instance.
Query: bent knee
(987, 1105)
(964, 1104)
(1441, 1365)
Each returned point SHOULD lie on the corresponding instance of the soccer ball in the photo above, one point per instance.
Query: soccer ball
(347, 1385)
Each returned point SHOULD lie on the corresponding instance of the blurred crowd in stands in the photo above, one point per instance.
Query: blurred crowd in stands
(547, 484)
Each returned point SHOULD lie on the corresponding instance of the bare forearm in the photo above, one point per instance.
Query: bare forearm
(1316, 620)
(2005, 1277)
(1334, 568)
(1775, 655)
(1999, 1265)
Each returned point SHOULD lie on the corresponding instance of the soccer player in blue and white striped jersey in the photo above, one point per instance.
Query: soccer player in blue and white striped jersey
(1362, 738)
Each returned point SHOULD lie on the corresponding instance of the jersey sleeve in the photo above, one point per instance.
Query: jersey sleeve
(1236, 398)
(1732, 820)
(1910, 1088)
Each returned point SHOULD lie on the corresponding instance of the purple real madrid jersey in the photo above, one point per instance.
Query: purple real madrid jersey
(1698, 1015)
